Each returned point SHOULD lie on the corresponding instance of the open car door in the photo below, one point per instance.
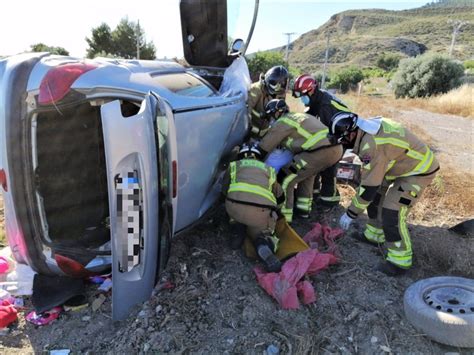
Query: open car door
(140, 187)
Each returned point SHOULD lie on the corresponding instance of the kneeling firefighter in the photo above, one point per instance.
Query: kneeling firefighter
(306, 137)
(252, 198)
(397, 167)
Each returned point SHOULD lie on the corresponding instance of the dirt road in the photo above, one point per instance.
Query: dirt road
(216, 306)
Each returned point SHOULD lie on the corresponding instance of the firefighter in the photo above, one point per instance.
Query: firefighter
(270, 86)
(323, 105)
(397, 167)
(306, 137)
(252, 199)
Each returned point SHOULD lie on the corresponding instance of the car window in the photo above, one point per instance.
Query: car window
(184, 84)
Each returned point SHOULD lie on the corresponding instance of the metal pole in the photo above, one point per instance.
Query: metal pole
(288, 34)
(323, 80)
(138, 39)
(254, 21)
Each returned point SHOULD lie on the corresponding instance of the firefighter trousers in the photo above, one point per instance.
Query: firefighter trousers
(325, 186)
(304, 167)
(388, 213)
(260, 221)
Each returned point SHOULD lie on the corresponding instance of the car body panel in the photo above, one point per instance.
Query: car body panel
(204, 32)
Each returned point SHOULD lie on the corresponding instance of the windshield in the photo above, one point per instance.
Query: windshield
(184, 84)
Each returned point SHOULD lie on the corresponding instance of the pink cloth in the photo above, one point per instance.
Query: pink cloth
(3, 265)
(286, 286)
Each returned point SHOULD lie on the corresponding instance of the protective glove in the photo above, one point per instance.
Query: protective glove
(345, 221)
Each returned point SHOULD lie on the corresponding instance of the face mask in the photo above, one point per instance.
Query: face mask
(305, 100)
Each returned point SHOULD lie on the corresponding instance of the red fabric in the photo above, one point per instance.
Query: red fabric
(8, 315)
(287, 285)
(319, 236)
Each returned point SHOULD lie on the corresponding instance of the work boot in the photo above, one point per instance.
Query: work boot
(360, 237)
(390, 269)
(271, 262)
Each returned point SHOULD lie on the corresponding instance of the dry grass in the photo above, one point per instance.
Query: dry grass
(456, 102)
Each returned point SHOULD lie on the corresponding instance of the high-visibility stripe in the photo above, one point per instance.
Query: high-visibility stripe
(315, 139)
(288, 142)
(301, 131)
(373, 229)
(339, 106)
(253, 163)
(402, 256)
(256, 113)
(374, 237)
(334, 198)
(358, 204)
(255, 129)
(365, 147)
(402, 226)
(287, 213)
(233, 170)
(253, 189)
(423, 166)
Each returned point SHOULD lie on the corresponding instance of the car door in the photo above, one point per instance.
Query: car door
(140, 186)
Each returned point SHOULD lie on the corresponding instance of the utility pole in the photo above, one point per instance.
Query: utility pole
(323, 80)
(457, 24)
(288, 34)
(138, 38)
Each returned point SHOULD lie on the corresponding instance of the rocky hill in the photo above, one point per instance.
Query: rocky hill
(360, 36)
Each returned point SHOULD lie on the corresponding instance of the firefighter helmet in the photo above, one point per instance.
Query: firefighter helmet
(276, 108)
(276, 80)
(304, 84)
(342, 124)
(249, 151)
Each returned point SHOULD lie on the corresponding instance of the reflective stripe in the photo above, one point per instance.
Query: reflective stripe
(373, 229)
(304, 203)
(423, 166)
(367, 166)
(287, 213)
(339, 106)
(256, 113)
(236, 186)
(374, 237)
(288, 142)
(391, 164)
(311, 139)
(301, 131)
(275, 242)
(358, 204)
(334, 198)
(315, 139)
(253, 189)
(402, 256)
(365, 147)
(255, 129)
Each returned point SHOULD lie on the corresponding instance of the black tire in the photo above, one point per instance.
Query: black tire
(443, 309)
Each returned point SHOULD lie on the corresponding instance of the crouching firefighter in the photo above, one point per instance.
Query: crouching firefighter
(396, 168)
(252, 198)
(306, 137)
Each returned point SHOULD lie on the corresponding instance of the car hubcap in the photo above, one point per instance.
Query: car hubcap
(451, 299)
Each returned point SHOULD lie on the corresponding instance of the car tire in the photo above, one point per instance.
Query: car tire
(443, 309)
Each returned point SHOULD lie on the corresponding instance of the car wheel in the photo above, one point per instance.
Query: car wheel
(443, 309)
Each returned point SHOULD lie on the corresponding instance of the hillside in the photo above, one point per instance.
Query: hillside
(360, 36)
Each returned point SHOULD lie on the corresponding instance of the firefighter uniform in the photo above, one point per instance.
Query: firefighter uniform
(252, 198)
(258, 99)
(324, 105)
(396, 168)
(306, 137)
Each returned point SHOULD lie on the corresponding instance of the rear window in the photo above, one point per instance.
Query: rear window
(184, 84)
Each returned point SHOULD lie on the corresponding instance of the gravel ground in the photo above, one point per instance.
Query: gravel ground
(216, 306)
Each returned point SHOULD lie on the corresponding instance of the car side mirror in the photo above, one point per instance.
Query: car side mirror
(236, 47)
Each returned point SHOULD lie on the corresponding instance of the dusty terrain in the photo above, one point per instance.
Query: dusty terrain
(216, 305)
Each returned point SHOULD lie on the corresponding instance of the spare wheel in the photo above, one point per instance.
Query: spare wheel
(443, 309)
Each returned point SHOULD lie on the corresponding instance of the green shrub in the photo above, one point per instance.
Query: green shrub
(426, 75)
(373, 73)
(469, 64)
(388, 61)
(262, 61)
(346, 79)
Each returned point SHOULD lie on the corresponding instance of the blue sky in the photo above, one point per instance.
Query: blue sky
(66, 24)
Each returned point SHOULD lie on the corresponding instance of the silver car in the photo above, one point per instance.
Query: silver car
(103, 161)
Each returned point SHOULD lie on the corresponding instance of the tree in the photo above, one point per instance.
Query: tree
(388, 61)
(100, 41)
(121, 42)
(262, 61)
(426, 75)
(346, 79)
(41, 47)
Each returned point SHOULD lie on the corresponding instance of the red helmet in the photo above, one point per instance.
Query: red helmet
(303, 84)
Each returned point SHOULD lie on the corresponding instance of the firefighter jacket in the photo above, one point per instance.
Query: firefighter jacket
(252, 182)
(297, 132)
(325, 105)
(393, 152)
(258, 99)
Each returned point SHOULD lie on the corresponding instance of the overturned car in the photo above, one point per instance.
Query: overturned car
(103, 161)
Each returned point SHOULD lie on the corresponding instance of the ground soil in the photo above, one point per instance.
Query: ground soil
(216, 305)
